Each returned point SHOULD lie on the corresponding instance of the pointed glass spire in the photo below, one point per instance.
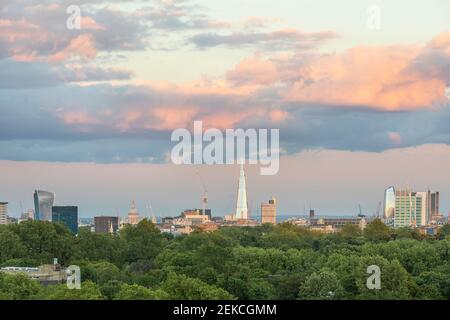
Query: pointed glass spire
(241, 203)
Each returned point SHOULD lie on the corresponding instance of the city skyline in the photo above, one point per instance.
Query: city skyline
(361, 102)
(190, 192)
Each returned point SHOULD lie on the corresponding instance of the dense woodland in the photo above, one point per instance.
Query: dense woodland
(264, 262)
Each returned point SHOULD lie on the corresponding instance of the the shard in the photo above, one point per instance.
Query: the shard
(241, 203)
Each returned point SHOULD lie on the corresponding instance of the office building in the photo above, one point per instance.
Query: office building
(412, 209)
(269, 211)
(68, 215)
(3, 212)
(241, 202)
(434, 205)
(106, 224)
(43, 203)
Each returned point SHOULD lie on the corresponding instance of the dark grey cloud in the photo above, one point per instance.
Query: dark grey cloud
(275, 40)
(17, 74)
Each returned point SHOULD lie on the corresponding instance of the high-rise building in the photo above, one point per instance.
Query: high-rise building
(269, 211)
(106, 224)
(68, 215)
(389, 203)
(411, 208)
(3, 212)
(241, 202)
(43, 203)
(434, 205)
(133, 215)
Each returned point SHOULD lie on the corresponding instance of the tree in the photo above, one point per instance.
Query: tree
(444, 231)
(144, 241)
(377, 231)
(323, 285)
(88, 291)
(44, 241)
(100, 272)
(110, 289)
(433, 285)
(18, 287)
(181, 287)
(396, 283)
(135, 292)
(10, 244)
(95, 247)
(350, 231)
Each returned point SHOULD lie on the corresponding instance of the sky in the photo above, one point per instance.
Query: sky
(359, 91)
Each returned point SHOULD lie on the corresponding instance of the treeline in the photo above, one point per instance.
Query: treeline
(264, 262)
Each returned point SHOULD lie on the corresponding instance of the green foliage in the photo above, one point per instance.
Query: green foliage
(18, 287)
(377, 231)
(323, 285)
(136, 292)
(350, 231)
(264, 262)
(89, 291)
(181, 287)
(143, 241)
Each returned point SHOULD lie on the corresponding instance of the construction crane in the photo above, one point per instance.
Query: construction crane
(150, 213)
(378, 209)
(360, 212)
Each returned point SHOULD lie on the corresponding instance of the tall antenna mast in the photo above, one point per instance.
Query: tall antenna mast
(204, 198)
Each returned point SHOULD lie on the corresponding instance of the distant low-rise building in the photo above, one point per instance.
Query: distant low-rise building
(208, 227)
(47, 274)
(106, 224)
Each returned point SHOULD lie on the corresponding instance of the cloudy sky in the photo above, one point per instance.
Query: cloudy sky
(88, 113)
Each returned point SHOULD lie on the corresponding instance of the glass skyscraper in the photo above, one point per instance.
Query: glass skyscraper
(389, 203)
(43, 202)
(241, 202)
(67, 215)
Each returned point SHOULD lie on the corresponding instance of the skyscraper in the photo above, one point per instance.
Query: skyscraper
(3, 212)
(411, 208)
(241, 203)
(434, 205)
(269, 211)
(68, 215)
(43, 202)
(389, 203)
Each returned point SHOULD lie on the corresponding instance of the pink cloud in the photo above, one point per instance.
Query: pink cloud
(395, 138)
(81, 46)
(77, 117)
(253, 71)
